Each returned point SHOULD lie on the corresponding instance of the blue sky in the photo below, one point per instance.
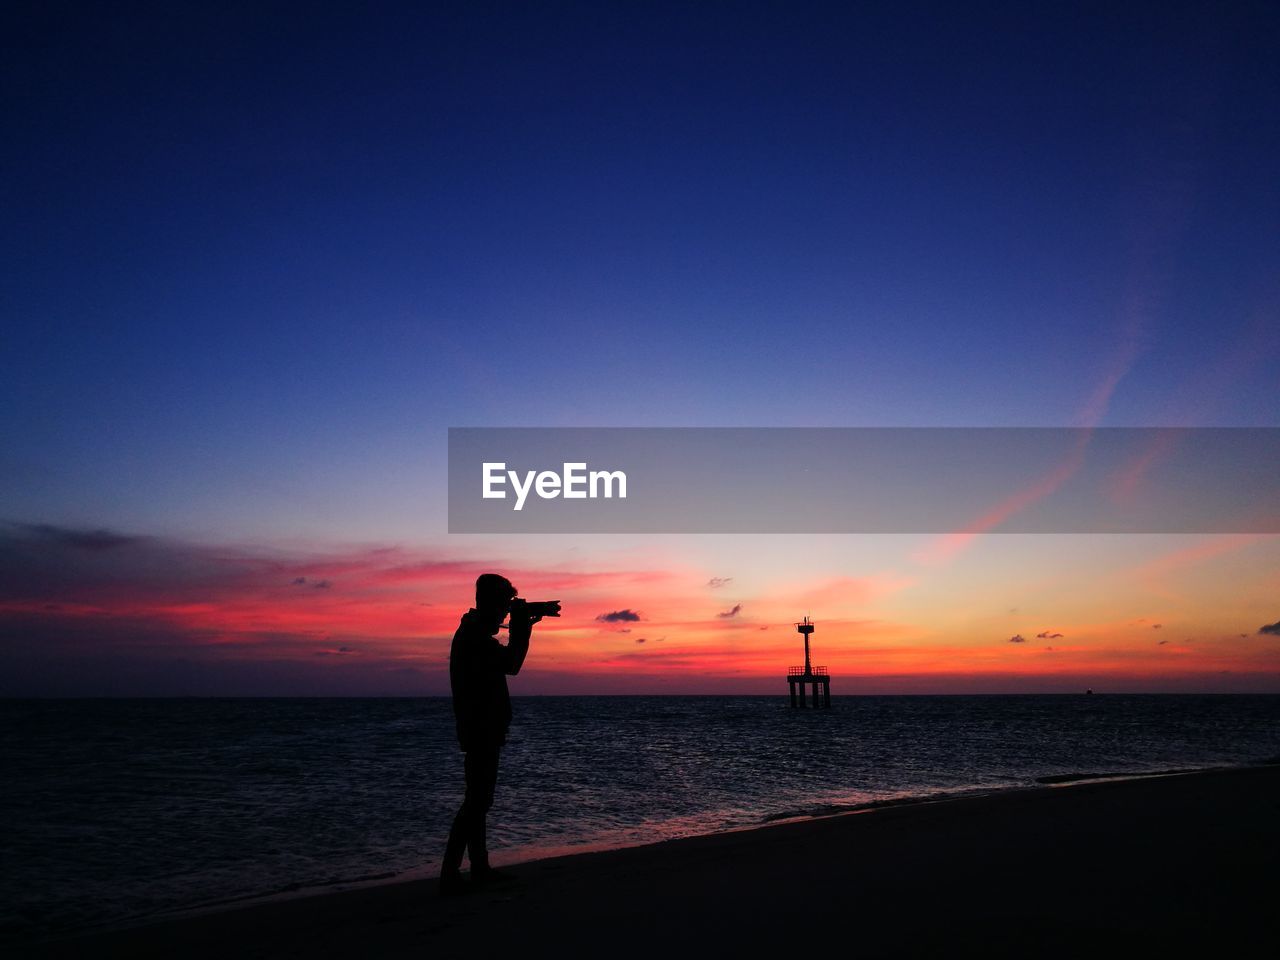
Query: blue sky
(260, 256)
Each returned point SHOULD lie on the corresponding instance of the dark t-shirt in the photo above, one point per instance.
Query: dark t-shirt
(478, 667)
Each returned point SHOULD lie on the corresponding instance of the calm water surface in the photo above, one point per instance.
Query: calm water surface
(120, 810)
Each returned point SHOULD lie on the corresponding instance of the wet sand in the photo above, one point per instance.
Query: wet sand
(1173, 863)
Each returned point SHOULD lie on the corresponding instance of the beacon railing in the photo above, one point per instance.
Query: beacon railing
(799, 672)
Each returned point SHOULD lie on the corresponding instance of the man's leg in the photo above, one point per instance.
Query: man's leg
(481, 768)
(482, 779)
(456, 845)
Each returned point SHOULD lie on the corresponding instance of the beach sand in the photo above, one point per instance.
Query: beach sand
(1173, 863)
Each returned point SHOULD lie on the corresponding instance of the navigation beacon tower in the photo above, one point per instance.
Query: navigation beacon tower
(807, 674)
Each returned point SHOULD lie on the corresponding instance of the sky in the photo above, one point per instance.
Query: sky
(260, 257)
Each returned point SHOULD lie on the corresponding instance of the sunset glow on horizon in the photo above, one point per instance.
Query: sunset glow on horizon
(150, 616)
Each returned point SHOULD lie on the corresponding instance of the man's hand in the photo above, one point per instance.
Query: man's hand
(520, 619)
(524, 615)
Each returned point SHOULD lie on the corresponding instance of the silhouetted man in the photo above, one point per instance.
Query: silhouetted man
(478, 669)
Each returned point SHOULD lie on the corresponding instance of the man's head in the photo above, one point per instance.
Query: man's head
(493, 595)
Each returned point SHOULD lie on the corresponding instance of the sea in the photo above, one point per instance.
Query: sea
(115, 812)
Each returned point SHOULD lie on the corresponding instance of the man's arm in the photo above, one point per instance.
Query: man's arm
(519, 630)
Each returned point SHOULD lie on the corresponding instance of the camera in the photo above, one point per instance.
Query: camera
(533, 609)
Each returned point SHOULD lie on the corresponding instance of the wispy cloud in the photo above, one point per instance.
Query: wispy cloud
(80, 539)
(729, 614)
(1155, 574)
(837, 592)
(1125, 353)
(948, 546)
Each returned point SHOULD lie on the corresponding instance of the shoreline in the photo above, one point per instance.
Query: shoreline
(536, 853)
(378, 908)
